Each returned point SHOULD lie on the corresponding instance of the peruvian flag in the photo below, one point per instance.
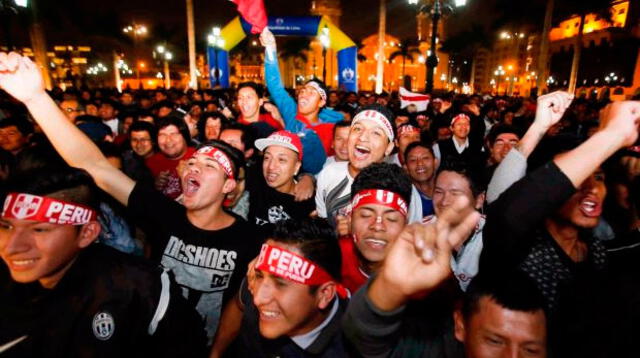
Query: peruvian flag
(254, 13)
(421, 101)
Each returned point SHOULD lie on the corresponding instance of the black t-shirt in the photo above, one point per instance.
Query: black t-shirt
(267, 206)
(208, 265)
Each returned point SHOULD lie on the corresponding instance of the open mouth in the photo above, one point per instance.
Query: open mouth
(362, 152)
(590, 208)
(191, 186)
(271, 177)
(375, 244)
(266, 315)
(19, 265)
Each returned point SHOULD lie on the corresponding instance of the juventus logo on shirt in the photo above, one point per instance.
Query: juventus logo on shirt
(103, 325)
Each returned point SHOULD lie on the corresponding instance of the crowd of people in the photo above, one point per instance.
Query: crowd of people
(265, 222)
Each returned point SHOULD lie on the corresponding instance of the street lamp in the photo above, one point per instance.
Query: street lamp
(326, 42)
(136, 31)
(216, 41)
(437, 9)
(166, 56)
(499, 72)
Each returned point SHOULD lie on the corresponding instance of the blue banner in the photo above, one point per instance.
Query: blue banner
(348, 70)
(218, 67)
(294, 25)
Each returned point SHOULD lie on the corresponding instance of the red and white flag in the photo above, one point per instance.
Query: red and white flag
(421, 101)
(253, 12)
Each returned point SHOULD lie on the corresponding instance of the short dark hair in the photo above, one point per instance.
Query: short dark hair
(22, 124)
(340, 124)
(383, 176)
(498, 129)
(202, 122)
(511, 289)
(174, 120)
(418, 144)
(258, 88)
(316, 239)
(247, 136)
(142, 126)
(64, 182)
(475, 176)
(236, 156)
(384, 111)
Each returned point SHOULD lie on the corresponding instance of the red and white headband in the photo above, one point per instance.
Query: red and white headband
(380, 197)
(293, 267)
(219, 156)
(378, 118)
(22, 206)
(459, 117)
(407, 129)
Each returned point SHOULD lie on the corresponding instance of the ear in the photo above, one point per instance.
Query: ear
(458, 326)
(88, 234)
(480, 200)
(389, 148)
(248, 153)
(228, 186)
(325, 294)
(260, 102)
(298, 165)
(322, 102)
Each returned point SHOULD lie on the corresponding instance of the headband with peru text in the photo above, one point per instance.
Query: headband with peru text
(407, 129)
(290, 266)
(40, 208)
(219, 156)
(380, 197)
(377, 117)
(318, 89)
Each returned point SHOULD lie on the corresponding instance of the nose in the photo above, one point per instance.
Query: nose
(14, 242)
(272, 165)
(377, 224)
(263, 292)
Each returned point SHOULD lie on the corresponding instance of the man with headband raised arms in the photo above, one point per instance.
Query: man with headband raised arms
(205, 247)
(62, 295)
(295, 302)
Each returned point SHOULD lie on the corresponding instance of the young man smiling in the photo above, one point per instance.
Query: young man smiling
(198, 241)
(371, 139)
(272, 194)
(294, 303)
(307, 117)
(65, 296)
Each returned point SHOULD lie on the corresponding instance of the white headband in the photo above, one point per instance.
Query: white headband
(378, 118)
(319, 89)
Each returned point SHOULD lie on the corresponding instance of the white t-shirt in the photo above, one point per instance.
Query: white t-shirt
(333, 193)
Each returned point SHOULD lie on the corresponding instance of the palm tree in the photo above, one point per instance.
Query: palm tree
(295, 50)
(407, 50)
(581, 8)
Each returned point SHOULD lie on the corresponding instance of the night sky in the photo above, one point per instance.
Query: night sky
(98, 23)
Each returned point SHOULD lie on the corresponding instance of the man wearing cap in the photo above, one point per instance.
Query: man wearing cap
(306, 118)
(380, 197)
(63, 295)
(460, 146)
(293, 305)
(371, 139)
(206, 248)
(272, 197)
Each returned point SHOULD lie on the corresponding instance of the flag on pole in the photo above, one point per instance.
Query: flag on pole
(421, 101)
(253, 12)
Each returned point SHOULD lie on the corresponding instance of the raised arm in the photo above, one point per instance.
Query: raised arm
(279, 94)
(22, 79)
(551, 108)
(618, 129)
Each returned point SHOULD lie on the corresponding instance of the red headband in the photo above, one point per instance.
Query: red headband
(380, 197)
(40, 208)
(408, 129)
(293, 267)
(219, 156)
(458, 117)
(378, 118)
